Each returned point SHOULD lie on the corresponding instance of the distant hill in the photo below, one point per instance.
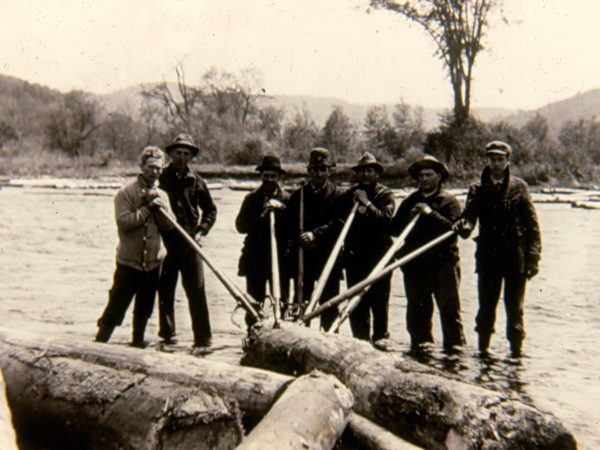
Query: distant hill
(584, 105)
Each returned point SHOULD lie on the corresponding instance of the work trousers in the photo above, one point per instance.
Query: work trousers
(128, 282)
(422, 287)
(190, 265)
(331, 289)
(489, 287)
(374, 302)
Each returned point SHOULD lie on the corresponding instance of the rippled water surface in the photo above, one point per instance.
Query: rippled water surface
(57, 250)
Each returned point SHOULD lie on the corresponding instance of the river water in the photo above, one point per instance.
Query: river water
(57, 251)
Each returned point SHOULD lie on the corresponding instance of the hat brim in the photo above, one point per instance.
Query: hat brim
(439, 167)
(261, 168)
(497, 151)
(377, 166)
(169, 148)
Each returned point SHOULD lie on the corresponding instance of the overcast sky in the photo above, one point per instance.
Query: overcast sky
(549, 51)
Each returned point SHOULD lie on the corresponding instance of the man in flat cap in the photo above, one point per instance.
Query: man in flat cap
(508, 245)
(436, 273)
(140, 251)
(196, 212)
(366, 243)
(312, 225)
(253, 221)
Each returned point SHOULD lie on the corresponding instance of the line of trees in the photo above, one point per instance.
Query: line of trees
(229, 117)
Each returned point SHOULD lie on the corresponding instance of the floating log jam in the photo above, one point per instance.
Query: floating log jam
(418, 403)
(311, 413)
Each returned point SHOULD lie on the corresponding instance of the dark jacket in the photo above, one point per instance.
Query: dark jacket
(188, 194)
(256, 253)
(368, 238)
(445, 211)
(321, 219)
(509, 233)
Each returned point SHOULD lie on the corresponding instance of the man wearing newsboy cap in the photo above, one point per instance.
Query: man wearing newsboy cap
(508, 245)
(312, 225)
(436, 273)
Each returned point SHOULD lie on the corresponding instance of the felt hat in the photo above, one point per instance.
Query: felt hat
(368, 160)
(183, 140)
(270, 162)
(428, 162)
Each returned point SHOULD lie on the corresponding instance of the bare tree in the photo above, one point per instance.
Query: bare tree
(457, 28)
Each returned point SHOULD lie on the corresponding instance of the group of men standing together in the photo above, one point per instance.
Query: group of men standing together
(308, 223)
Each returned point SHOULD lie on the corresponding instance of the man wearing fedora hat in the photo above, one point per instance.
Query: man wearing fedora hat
(253, 221)
(436, 273)
(367, 241)
(317, 233)
(508, 245)
(196, 213)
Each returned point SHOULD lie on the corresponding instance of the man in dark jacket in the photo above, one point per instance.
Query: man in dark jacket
(436, 273)
(253, 221)
(366, 243)
(189, 196)
(312, 225)
(508, 245)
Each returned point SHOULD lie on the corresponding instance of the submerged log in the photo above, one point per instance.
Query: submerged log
(252, 389)
(311, 413)
(60, 402)
(418, 403)
(8, 440)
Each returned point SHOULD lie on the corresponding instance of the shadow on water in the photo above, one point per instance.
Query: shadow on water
(501, 374)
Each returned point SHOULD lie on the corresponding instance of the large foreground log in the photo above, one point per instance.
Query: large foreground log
(311, 413)
(415, 402)
(253, 389)
(8, 439)
(59, 402)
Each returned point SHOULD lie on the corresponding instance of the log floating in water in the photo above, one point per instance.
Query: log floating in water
(415, 402)
(311, 413)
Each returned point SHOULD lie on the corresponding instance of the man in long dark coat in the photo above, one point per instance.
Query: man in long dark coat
(508, 245)
(253, 221)
(196, 212)
(366, 243)
(436, 273)
(318, 232)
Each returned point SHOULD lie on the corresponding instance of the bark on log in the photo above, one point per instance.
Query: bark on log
(415, 402)
(8, 439)
(363, 433)
(253, 389)
(60, 402)
(311, 413)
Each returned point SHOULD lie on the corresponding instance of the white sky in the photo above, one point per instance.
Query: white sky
(330, 48)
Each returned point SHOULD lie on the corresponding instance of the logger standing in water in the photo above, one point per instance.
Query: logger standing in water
(366, 243)
(189, 196)
(436, 273)
(253, 221)
(318, 232)
(508, 245)
(140, 251)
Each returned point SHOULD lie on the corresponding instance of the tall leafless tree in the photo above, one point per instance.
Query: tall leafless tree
(457, 28)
